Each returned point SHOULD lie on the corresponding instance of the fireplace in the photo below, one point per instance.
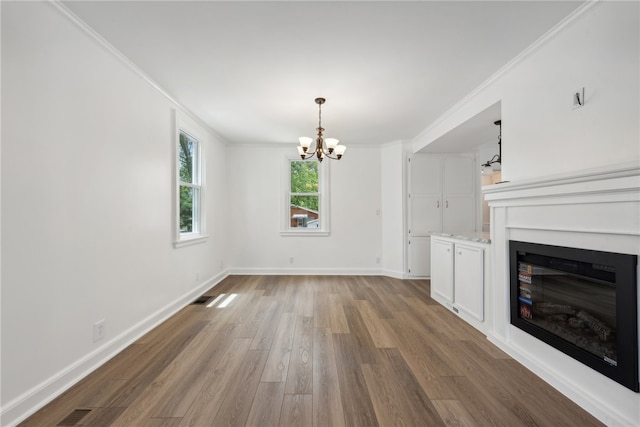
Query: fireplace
(582, 302)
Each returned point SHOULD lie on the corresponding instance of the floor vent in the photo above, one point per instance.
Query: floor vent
(74, 417)
(203, 299)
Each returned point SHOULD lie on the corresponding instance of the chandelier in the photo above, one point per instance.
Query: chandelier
(325, 147)
(495, 163)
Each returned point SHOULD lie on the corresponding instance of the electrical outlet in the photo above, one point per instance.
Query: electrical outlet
(98, 331)
(290, 260)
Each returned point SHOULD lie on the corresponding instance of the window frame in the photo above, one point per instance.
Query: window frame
(323, 200)
(197, 235)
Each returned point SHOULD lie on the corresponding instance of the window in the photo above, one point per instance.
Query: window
(306, 201)
(189, 188)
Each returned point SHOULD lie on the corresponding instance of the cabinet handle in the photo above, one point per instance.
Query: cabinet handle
(438, 204)
(446, 204)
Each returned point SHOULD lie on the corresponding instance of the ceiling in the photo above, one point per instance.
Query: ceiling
(251, 70)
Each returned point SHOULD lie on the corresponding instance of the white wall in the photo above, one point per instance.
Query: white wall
(392, 195)
(256, 209)
(542, 134)
(87, 196)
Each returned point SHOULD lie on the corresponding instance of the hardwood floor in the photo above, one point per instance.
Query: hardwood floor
(314, 351)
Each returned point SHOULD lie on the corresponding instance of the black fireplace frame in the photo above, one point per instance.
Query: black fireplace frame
(626, 370)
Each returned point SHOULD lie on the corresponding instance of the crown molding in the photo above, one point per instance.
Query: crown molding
(553, 32)
(57, 4)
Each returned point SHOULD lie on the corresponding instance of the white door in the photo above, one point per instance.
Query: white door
(425, 194)
(425, 174)
(469, 277)
(442, 269)
(459, 195)
(458, 214)
(419, 260)
(459, 175)
(425, 210)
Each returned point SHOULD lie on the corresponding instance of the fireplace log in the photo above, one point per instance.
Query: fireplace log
(552, 308)
(596, 325)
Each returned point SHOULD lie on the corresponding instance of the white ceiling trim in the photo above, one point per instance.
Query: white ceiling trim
(418, 142)
(133, 67)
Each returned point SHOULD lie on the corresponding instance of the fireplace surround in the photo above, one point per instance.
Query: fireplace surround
(581, 302)
(595, 209)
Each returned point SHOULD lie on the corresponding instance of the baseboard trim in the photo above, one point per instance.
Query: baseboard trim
(306, 271)
(37, 397)
(564, 385)
(395, 274)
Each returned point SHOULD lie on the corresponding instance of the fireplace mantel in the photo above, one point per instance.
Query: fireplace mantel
(597, 209)
(623, 178)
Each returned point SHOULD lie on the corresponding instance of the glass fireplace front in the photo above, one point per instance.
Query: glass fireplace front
(581, 302)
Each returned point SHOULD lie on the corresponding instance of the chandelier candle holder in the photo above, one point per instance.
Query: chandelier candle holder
(325, 147)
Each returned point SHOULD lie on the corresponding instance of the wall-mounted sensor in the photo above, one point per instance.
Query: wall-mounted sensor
(578, 98)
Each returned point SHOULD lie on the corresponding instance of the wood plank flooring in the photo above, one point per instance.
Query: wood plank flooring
(314, 351)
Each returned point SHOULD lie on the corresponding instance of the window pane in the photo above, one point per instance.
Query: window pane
(303, 212)
(187, 206)
(304, 177)
(187, 157)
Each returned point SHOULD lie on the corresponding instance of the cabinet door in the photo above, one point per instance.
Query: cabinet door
(425, 213)
(419, 259)
(469, 280)
(459, 195)
(425, 194)
(442, 270)
(459, 175)
(458, 214)
(425, 210)
(425, 174)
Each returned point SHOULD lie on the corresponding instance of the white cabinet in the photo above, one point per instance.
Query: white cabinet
(419, 264)
(442, 273)
(458, 194)
(441, 198)
(459, 271)
(469, 280)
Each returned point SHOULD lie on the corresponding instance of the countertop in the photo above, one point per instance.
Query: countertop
(470, 236)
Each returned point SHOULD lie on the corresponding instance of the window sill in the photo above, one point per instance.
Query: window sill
(190, 240)
(319, 233)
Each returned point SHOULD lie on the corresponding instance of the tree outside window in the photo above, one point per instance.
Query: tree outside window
(189, 184)
(304, 200)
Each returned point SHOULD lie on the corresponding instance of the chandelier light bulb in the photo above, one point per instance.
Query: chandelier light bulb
(331, 143)
(305, 142)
